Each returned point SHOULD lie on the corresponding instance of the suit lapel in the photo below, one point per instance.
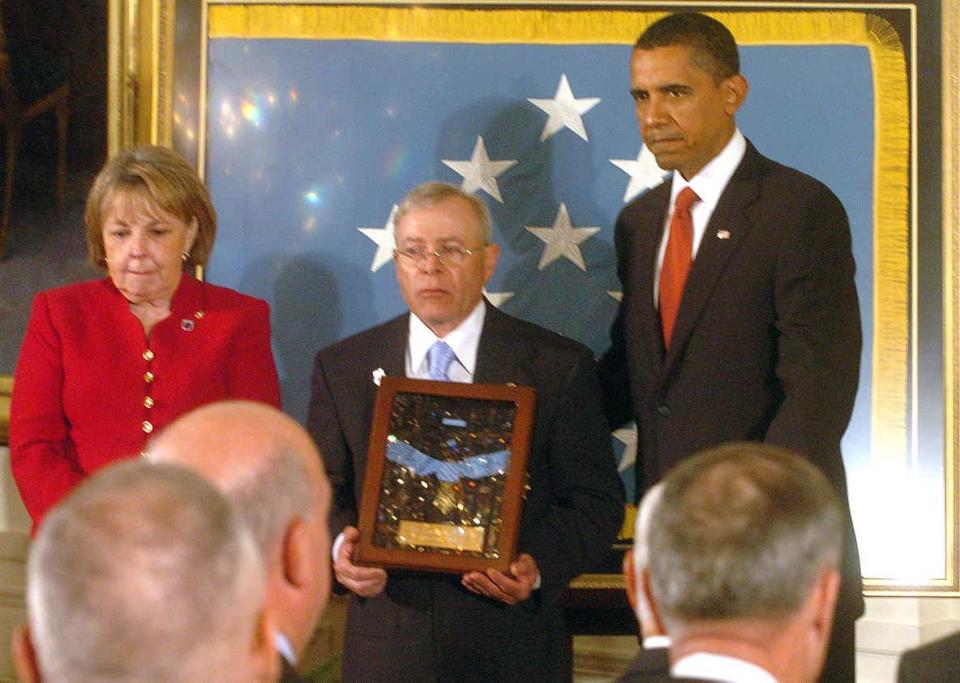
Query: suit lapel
(646, 244)
(393, 350)
(385, 356)
(499, 358)
(728, 225)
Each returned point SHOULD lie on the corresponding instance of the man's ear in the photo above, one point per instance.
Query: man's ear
(651, 623)
(814, 621)
(24, 656)
(630, 578)
(822, 600)
(491, 254)
(735, 89)
(297, 558)
(263, 649)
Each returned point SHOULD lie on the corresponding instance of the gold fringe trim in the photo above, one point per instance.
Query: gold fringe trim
(951, 257)
(428, 24)
(891, 246)
(891, 197)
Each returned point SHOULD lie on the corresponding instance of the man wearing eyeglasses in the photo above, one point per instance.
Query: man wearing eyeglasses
(491, 626)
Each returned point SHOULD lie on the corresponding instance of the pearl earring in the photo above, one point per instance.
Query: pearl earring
(185, 256)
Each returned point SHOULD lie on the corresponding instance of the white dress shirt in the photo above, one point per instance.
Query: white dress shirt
(709, 184)
(713, 667)
(285, 648)
(464, 339)
(655, 642)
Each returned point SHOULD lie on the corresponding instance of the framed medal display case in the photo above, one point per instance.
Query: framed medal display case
(445, 475)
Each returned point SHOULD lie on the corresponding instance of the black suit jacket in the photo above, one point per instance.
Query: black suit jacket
(288, 674)
(767, 340)
(648, 665)
(936, 662)
(571, 514)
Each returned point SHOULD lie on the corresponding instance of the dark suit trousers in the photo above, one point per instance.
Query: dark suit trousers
(431, 629)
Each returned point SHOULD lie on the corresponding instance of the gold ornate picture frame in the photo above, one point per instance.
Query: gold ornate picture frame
(159, 71)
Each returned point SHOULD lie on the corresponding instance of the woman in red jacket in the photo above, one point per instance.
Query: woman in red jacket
(106, 363)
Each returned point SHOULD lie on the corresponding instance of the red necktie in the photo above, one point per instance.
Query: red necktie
(676, 261)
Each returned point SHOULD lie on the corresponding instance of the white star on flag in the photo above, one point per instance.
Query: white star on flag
(385, 241)
(562, 240)
(564, 110)
(643, 171)
(498, 299)
(628, 437)
(480, 173)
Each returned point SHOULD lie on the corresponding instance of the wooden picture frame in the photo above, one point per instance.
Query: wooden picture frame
(6, 394)
(445, 475)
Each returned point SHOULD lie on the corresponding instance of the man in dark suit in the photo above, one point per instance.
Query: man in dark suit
(489, 626)
(936, 662)
(745, 547)
(739, 318)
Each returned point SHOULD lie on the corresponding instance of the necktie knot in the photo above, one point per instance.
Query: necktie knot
(439, 357)
(686, 199)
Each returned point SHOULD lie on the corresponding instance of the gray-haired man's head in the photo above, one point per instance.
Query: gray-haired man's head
(745, 547)
(146, 573)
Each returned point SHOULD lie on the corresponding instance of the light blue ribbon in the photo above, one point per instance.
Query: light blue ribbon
(422, 465)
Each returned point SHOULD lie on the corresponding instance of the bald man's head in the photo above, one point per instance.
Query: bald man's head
(270, 469)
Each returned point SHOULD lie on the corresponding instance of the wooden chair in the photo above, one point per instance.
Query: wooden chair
(14, 114)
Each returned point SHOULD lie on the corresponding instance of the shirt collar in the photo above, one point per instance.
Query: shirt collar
(463, 339)
(715, 667)
(284, 647)
(653, 642)
(712, 179)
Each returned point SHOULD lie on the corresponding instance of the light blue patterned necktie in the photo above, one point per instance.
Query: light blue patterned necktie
(438, 360)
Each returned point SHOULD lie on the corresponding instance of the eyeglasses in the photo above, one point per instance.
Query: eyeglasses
(448, 254)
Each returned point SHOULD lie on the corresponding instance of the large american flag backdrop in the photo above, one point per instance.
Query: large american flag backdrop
(320, 118)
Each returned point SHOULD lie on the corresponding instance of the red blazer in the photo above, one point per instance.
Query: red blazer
(91, 387)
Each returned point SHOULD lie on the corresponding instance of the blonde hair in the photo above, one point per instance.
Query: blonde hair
(171, 184)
